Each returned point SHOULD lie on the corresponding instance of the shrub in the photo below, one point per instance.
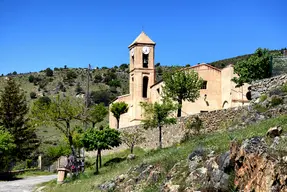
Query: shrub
(98, 78)
(114, 83)
(49, 72)
(33, 95)
(284, 88)
(275, 100)
(79, 89)
(101, 96)
(61, 87)
(124, 66)
(263, 98)
(71, 75)
(109, 76)
(44, 100)
(259, 108)
(195, 124)
(31, 78)
(56, 69)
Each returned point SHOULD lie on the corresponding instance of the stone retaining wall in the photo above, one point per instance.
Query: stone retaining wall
(266, 85)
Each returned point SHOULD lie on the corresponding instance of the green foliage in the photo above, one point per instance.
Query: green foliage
(49, 72)
(260, 108)
(276, 100)
(119, 108)
(71, 75)
(157, 115)
(59, 113)
(195, 124)
(45, 100)
(101, 96)
(6, 148)
(124, 66)
(13, 110)
(181, 85)
(109, 76)
(257, 66)
(54, 152)
(61, 87)
(132, 137)
(114, 83)
(97, 113)
(263, 98)
(31, 78)
(284, 88)
(98, 78)
(33, 95)
(95, 139)
(79, 89)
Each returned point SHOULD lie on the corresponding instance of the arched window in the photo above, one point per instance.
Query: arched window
(145, 86)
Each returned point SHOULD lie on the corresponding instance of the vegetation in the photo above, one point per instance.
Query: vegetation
(181, 85)
(132, 138)
(256, 67)
(60, 113)
(96, 139)
(118, 109)
(6, 147)
(97, 113)
(13, 111)
(156, 115)
(166, 158)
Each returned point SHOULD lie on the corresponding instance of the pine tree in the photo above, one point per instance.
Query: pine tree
(13, 111)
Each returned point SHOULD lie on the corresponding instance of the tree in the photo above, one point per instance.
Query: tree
(13, 111)
(181, 85)
(118, 109)
(132, 137)
(98, 78)
(6, 147)
(33, 95)
(101, 96)
(156, 115)
(31, 78)
(97, 113)
(79, 89)
(257, 66)
(95, 139)
(49, 72)
(60, 112)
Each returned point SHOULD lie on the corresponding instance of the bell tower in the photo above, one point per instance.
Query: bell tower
(142, 71)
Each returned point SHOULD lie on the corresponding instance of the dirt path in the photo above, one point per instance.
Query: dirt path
(24, 185)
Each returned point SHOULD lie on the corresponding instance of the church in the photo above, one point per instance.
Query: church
(217, 91)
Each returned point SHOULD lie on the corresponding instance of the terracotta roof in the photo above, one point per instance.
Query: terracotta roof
(198, 65)
(142, 38)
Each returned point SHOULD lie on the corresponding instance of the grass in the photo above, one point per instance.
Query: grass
(34, 173)
(167, 157)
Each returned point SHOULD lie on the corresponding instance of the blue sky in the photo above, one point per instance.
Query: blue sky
(36, 34)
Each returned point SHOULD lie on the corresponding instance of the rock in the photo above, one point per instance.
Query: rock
(256, 169)
(121, 177)
(284, 159)
(131, 157)
(108, 186)
(274, 131)
(275, 142)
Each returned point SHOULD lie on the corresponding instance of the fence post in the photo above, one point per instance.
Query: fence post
(40, 162)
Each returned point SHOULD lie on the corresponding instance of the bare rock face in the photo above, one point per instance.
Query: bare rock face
(257, 168)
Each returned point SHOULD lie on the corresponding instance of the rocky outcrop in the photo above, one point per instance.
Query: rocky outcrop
(256, 164)
(257, 168)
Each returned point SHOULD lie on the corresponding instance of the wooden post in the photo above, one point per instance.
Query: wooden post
(40, 162)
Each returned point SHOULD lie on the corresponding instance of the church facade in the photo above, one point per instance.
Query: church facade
(217, 92)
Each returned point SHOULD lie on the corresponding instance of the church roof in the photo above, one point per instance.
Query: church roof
(143, 39)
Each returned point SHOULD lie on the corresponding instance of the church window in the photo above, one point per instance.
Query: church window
(145, 60)
(204, 85)
(157, 90)
(133, 60)
(145, 86)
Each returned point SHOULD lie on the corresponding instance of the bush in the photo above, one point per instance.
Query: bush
(31, 78)
(101, 96)
(124, 66)
(259, 108)
(109, 76)
(263, 98)
(33, 95)
(98, 78)
(275, 100)
(44, 100)
(79, 89)
(195, 124)
(284, 88)
(61, 87)
(114, 83)
(71, 75)
(49, 72)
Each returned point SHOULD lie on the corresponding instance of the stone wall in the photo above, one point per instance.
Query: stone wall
(172, 134)
(266, 85)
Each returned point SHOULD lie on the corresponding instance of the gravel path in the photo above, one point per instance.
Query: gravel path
(24, 185)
